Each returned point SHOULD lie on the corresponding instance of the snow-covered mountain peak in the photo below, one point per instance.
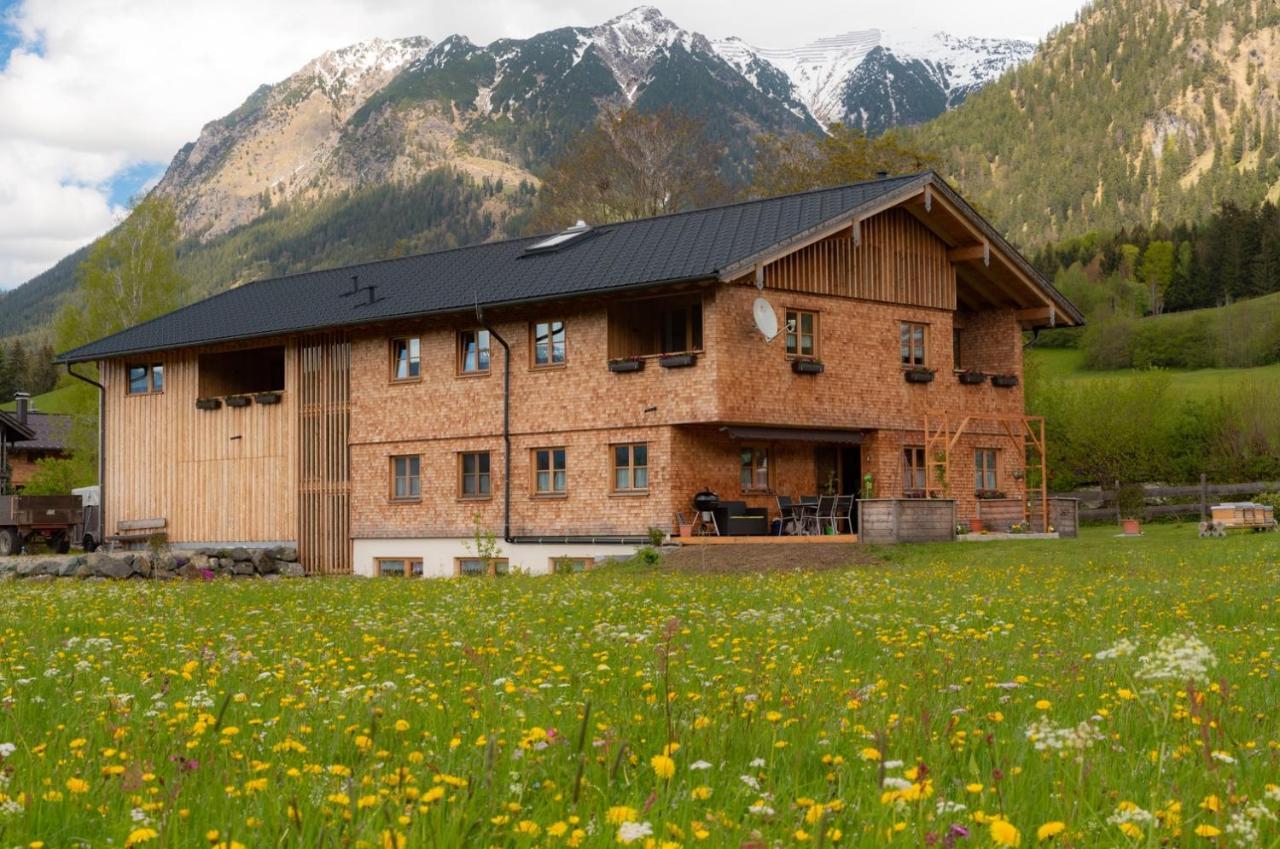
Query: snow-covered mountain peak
(344, 69)
(630, 44)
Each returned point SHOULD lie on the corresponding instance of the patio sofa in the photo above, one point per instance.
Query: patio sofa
(736, 519)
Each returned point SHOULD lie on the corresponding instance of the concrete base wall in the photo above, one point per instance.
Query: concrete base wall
(438, 555)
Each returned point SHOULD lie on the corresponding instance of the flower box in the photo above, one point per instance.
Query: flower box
(208, 404)
(1005, 380)
(807, 366)
(267, 398)
(239, 400)
(972, 378)
(677, 360)
(620, 366)
(919, 375)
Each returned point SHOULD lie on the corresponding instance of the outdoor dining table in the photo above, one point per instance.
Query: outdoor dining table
(800, 514)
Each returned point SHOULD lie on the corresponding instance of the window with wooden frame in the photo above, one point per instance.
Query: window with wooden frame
(914, 472)
(985, 478)
(548, 344)
(755, 463)
(406, 481)
(478, 567)
(398, 567)
(473, 352)
(631, 467)
(802, 333)
(406, 359)
(145, 379)
(549, 472)
(911, 338)
(473, 475)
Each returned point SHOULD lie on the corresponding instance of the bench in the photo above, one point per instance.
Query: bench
(136, 530)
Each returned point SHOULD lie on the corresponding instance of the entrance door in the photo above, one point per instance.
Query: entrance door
(839, 470)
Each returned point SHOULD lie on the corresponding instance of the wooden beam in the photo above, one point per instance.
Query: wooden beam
(968, 253)
(1037, 314)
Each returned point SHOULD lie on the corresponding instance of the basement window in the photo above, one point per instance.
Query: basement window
(242, 372)
(655, 326)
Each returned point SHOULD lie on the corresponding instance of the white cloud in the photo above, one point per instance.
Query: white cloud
(101, 85)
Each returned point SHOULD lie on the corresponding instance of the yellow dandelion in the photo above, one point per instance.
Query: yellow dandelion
(1050, 830)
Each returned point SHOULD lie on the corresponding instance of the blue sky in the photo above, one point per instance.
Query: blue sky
(8, 38)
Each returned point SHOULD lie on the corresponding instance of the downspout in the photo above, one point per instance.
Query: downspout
(506, 424)
(102, 449)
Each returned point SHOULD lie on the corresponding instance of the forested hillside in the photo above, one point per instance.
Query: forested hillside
(1142, 111)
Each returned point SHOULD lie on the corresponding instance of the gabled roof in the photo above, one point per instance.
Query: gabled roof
(49, 432)
(696, 245)
(12, 429)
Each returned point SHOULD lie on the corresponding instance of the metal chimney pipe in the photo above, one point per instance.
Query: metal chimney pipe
(23, 400)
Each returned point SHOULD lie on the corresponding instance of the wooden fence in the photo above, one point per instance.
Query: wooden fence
(1169, 500)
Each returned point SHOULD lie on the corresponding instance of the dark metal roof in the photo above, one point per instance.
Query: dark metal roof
(13, 429)
(49, 432)
(685, 246)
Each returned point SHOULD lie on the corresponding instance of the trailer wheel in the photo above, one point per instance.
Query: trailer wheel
(9, 542)
(61, 543)
(90, 545)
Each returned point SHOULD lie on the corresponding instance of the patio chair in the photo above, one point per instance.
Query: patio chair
(842, 513)
(822, 513)
(786, 510)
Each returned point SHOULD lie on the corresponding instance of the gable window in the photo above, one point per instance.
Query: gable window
(476, 567)
(399, 567)
(406, 359)
(146, 379)
(406, 481)
(549, 476)
(753, 468)
(911, 338)
(802, 333)
(914, 473)
(473, 351)
(984, 470)
(548, 344)
(631, 467)
(473, 475)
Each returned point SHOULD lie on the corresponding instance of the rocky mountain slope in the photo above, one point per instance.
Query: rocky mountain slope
(450, 134)
(1142, 111)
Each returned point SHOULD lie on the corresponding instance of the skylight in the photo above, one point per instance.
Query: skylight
(560, 239)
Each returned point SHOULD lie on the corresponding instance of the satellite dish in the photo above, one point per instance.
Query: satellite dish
(766, 319)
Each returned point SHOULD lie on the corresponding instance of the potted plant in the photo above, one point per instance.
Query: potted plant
(807, 366)
(1131, 499)
(683, 360)
(267, 398)
(976, 526)
(1019, 528)
(919, 374)
(1004, 380)
(239, 400)
(969, 377)
(208, 404)
(625, 364)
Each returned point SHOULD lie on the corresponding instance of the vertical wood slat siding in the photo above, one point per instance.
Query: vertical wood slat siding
(214, 476)
(324, 483)
(899, 261)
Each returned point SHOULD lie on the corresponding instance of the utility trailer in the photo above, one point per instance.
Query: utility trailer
(26, 518)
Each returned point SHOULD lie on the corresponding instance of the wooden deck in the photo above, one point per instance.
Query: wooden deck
(813, 539)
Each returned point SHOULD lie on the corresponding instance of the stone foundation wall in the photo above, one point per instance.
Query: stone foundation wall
(197, 564)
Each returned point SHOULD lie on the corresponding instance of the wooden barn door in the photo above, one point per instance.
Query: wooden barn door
(324, 481)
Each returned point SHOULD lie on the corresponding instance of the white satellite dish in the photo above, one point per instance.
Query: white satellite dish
(766, 319)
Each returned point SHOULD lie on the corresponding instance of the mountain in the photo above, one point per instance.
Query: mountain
(875, 80)
(1141, 111)
(394, 146)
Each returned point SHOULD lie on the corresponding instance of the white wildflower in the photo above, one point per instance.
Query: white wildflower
(1222, 757)
(750, 781)
(1123, 648)
(7, 749)
(1178, 657)
(1133, 814)
(946, 806)
(629, 832)
(757, 763)
(761, 809)
(892, 782)
(700, 765)
(894, 764)
(1043, 734)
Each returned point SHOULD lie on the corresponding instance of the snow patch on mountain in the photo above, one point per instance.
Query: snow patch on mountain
(631, 44)
(336, 72)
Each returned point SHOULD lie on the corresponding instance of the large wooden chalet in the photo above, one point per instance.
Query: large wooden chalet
(379, 416)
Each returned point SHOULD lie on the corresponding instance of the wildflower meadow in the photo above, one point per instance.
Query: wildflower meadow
(1097, 692)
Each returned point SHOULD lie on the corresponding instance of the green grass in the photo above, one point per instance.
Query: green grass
(64, 399)
(879, 705)
(1067, 364)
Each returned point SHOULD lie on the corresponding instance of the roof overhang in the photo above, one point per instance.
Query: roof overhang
(14, 430)
(795, 434)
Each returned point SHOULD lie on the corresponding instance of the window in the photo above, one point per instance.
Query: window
(406, 359)
(914, 473)
(475, 567)
(398, 567)
(753, 468)
(473, 352)
(145, 379)
(570, 565)
(548, 344)
(241, 372)
(652, 326)
(549, 472)
(911, 337)
(681, 329)
(406, 485)
(984, 470)
(473, 475)
(631, 467)
(802, 333)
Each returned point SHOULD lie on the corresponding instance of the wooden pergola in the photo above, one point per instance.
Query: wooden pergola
(940, 439)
